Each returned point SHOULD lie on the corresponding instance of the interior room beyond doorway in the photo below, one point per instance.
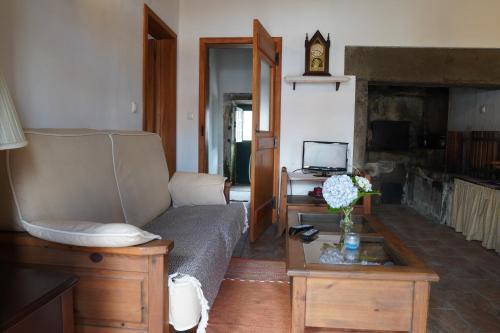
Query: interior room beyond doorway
(229, 116)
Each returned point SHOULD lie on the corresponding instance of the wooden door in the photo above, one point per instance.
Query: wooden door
(160, 98)
(265, 156)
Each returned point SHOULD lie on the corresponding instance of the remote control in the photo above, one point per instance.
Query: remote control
(308, 235)
(299, 228)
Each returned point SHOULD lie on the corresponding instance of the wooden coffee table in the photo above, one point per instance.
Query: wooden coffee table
(391, 294)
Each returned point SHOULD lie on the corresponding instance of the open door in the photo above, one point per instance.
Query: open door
(265, 132)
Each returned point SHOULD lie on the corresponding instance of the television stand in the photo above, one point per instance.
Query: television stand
(307, 177)
(306, 203)
(323, 174)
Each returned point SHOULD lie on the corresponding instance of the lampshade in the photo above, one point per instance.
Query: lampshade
(11, 132)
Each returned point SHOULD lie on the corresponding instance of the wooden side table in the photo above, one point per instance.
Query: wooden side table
(36, 301)
(305, 203)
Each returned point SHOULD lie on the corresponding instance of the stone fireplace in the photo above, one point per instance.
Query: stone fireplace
(401, 118)
(407, 129)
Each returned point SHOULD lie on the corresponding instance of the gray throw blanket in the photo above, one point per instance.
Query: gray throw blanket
(204, 239)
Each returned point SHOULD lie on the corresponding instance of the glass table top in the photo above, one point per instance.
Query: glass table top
(326, 250)
(331, 222)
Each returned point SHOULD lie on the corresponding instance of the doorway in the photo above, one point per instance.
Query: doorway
(228, 125)
(160, 83)
(238, 144)
(247, 155)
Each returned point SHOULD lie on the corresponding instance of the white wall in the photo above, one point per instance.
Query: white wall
(318, 112)
(465, 106)
(77, 63)
(230, 72)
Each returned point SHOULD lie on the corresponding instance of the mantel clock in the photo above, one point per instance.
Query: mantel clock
(317, 55)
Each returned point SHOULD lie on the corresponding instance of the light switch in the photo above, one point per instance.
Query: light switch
(133, 107)
(190, 116)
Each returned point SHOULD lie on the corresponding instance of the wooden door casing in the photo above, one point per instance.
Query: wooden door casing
(205, 45)
(160, 83)
(166, 118)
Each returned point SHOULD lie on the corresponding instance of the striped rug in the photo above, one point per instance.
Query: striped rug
(253, 298)
(256, 270)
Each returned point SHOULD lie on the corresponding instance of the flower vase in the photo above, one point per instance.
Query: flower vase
(346, 222)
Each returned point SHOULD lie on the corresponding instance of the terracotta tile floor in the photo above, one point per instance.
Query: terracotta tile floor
(466, 300)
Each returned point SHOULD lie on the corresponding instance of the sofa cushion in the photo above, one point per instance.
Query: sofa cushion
(141, 175)
(66, 175)
(196, 189)
(83, 233)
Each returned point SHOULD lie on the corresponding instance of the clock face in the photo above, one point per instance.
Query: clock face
(317, 50)
(317, 59)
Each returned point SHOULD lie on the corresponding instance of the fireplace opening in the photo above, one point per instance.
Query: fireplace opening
(407, 130)
(390, 135)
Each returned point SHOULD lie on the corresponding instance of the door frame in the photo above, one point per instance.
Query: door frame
(214, 42)
(167, 97)
(205, 44)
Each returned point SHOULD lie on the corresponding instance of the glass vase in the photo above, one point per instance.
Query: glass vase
(346, 222)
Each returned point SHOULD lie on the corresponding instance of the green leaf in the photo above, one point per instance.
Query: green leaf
(364, 194)
(334, 210)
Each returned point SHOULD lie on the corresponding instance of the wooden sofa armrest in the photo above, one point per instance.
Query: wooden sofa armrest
(156, 247)
(120, 289)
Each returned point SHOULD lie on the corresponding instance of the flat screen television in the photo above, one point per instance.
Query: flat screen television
(324, 157)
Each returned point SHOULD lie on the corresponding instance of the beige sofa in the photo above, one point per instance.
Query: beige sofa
(121, 177)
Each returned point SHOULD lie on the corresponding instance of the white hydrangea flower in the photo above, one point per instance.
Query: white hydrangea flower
(364, 184)
(339, 191)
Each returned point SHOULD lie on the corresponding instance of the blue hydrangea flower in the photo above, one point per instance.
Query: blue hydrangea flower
(364, 184)
(339, 191)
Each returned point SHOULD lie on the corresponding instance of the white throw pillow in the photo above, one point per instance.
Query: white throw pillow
(83, 233)
(196, 189)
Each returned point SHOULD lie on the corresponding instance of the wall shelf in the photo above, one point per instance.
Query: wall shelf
(294, 79)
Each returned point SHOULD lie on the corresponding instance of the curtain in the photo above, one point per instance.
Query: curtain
(476, 213)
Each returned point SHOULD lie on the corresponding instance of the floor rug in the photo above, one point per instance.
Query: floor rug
(256, 270)
(254, 297)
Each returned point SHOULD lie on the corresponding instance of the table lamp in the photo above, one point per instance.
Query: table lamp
(11, 132)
